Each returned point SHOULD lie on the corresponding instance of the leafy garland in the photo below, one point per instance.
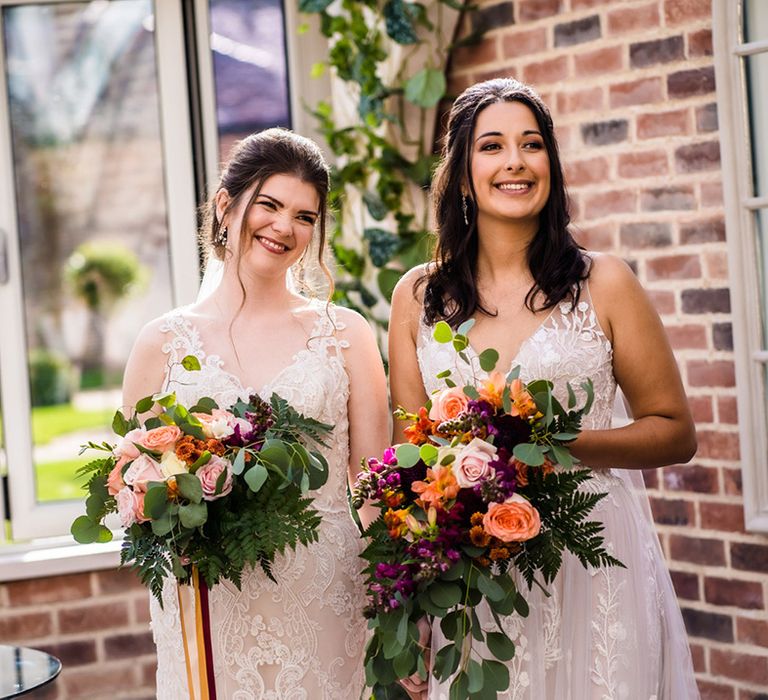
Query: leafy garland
(392, 180)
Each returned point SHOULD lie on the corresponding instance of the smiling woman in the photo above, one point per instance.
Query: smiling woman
(506, 261)
(297, 633)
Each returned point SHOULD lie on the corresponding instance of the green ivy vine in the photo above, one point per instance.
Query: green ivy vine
(379, 156)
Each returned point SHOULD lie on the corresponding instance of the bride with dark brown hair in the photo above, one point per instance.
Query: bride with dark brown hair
(506, 258)
(302, 635)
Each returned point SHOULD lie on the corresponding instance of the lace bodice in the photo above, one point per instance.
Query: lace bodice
(303, 635)
(568, 346)
(609, 633)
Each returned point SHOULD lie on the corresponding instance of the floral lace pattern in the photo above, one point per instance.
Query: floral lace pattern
(303, 637)
(607, 634)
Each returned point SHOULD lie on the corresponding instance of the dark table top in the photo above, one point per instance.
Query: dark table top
(23, 669)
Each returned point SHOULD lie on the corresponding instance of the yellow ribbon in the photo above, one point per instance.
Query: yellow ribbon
(191, 615)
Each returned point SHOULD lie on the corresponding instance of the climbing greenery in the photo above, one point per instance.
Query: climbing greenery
(382, 156)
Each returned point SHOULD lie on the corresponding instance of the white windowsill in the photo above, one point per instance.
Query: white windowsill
(54, 558)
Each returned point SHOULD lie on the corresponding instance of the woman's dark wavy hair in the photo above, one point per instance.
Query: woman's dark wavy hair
(254, 160)
(555, 260)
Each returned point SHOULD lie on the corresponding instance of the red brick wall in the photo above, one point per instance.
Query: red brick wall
(631, 87)
(98, 625)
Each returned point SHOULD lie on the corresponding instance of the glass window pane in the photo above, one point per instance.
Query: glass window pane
(93, 236)
(761, 225)
(250, 67)
(756, 68)
(755, 20)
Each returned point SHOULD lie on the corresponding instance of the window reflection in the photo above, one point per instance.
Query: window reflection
(249, 64)
(91, 213)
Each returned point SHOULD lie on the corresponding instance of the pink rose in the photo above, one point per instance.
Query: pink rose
(130, 507)
(126, 449)
(473, 463)
(115, 481)
(143, 469)
(209, 474)
(515, 520)
(162, 438)
(447, 404)
(221, 424)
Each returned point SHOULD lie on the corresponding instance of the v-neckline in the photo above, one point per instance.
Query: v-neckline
(249, 390)
(513, 362)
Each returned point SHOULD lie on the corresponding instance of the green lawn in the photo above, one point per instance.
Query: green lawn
(56, 480)
(49, 422)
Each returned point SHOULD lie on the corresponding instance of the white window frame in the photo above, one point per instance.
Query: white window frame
(50, 556)
(32, 520)
(741, 203)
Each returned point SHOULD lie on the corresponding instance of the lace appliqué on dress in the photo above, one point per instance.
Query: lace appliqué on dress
(304, 636)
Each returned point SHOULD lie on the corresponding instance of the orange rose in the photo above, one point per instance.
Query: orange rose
(161, 439)
(515, 520)
(447, 404)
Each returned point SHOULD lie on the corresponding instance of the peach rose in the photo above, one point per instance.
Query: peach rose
(447, 404)
(143, 469)
(161, 439)
(473, 463)
(515, 520)
(115, 480)
(130, 507)
(209, 474)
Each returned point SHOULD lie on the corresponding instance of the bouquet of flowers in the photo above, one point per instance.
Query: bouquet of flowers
(475, 494)
(205, 489)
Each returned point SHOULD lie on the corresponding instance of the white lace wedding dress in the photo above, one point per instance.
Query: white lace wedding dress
(603, 634)
(303, 637)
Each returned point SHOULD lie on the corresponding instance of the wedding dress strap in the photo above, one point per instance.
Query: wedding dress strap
(185, 338)
(326, 329)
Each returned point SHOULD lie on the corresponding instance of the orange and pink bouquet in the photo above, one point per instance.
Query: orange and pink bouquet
(484, 486)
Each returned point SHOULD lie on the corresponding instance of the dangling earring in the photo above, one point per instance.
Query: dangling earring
(221, 237)
(464, 209)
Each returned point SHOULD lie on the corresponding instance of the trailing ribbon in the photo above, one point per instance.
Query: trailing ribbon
(196, 638)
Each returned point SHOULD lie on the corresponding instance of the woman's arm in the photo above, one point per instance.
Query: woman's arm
(405, 382)
(145, 371)
(645, 368)
(368, 407)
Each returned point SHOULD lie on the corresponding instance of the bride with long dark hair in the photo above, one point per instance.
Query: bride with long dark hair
(505, 257)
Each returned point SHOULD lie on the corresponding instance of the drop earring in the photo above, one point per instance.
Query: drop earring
(464, 209)
(221, 236)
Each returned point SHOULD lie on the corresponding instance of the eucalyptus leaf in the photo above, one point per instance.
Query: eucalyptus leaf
(500, 645)
(562, 456)
(470, 391)
(165, 398)
(144, 405)
(428, 454)
(445, 594)
(87, 531)
(193, 514)
(496, 674)
(119, 424)
(256, 476)
(442, 332)
(459, 689)
(190, 487)
(163, 525)
(446, 661)
(529, 454)
(514, 373)
(460, 342)
(488, 359)
(489, 588)
(238, 465)
(474, 676)
(156, 501)
(465, 327)
(190, 363)
(407, 455)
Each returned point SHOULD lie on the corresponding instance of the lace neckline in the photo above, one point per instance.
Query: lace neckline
(319, 330)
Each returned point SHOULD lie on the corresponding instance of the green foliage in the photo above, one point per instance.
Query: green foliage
(378, 155)
(51, 378)
(103, 272)
(266, 511)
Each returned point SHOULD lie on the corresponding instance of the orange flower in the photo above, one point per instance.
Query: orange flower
(478, 536)
(523, 404)
(483, 561)
(418, 433)
(521, 472)
(395, 522)
(172, 489)
(492, 389)
(215, 447)
(515, 520)
(498, 553)
(476, 519)
(393, 498)
(439, 486)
